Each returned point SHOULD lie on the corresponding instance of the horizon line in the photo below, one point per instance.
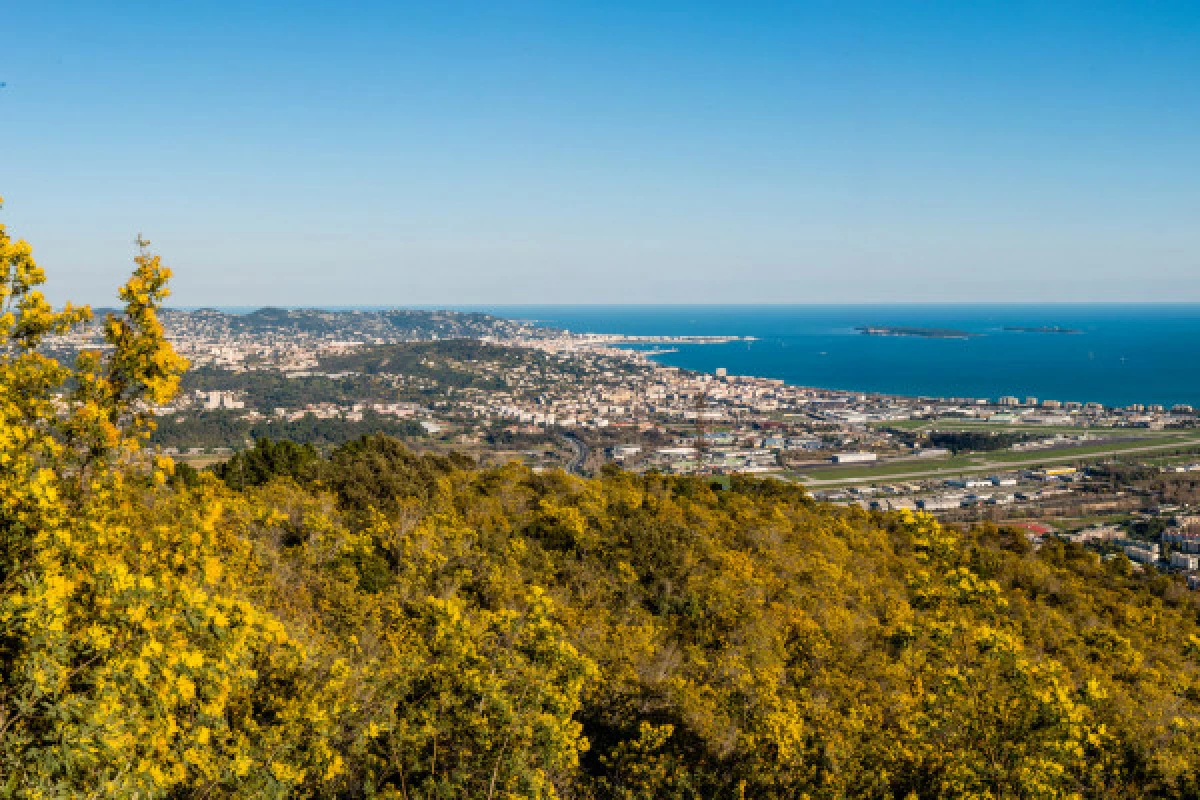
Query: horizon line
(667, 305)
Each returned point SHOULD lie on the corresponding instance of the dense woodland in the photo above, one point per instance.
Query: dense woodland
(380, 624)
(214, 429)
(267, 390)
(960, 441)
(975, 441)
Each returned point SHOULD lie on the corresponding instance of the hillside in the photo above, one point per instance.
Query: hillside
(410, 324)
(704, 642)
(380, 624)
(432, 628)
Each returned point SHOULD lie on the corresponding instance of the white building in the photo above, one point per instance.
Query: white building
(854, 458)
(1143, 554)
(944, 502)
(211, 401)
(1187, 561)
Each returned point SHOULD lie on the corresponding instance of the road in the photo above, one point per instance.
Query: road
(986, 466)
(576, 463)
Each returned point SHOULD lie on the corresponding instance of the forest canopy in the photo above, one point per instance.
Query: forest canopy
(377, 623)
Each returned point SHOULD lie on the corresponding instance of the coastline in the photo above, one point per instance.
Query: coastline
(651, 357)
(1113, 357)
(1116, 355)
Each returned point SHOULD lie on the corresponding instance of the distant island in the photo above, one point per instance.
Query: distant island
(925, 333)
(1040, 329)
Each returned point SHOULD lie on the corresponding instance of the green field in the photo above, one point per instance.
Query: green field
(1001, 427)
(1168, 461)
(892, 468)
(1097, 448)
(980, 463)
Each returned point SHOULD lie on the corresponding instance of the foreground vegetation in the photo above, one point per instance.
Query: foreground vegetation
(381, 624)
(226, 429)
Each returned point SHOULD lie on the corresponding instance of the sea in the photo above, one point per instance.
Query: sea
(1119, 354)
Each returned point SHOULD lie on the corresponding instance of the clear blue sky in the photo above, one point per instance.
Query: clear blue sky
(511, 152)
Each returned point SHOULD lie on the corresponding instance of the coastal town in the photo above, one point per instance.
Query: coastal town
(501, 390)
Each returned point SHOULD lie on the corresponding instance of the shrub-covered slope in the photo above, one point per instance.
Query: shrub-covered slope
(383, 624)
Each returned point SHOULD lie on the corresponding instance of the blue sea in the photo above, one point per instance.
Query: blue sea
(1123, 354)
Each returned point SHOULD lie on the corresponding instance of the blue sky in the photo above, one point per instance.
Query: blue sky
(568, 152)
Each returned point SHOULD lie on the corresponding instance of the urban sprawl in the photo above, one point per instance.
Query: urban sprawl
(1118, 480)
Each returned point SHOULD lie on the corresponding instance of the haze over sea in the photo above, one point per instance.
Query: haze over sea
(1123, 354)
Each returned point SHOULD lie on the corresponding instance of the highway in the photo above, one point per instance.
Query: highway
(575, 465)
